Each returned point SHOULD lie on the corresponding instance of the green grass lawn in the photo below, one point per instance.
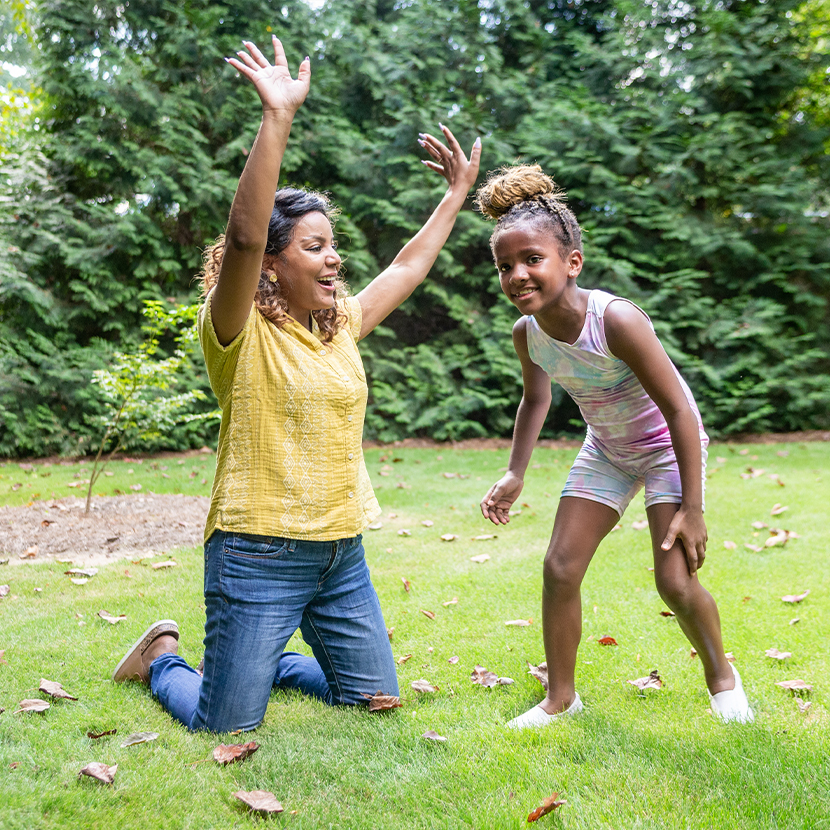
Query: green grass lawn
(631, 761)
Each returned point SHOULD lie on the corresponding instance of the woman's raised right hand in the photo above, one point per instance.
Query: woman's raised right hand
(277, 90)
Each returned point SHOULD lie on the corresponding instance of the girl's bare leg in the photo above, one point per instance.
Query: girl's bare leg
(693, 605)
(579, 527)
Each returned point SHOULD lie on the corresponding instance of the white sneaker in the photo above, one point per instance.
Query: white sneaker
(537, 716)
(732, 706)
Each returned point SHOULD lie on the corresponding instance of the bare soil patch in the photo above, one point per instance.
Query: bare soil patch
(118, 527)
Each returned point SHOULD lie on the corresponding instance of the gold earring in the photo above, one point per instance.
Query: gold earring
(273, 278)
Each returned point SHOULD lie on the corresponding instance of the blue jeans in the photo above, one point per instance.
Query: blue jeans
(258, 591)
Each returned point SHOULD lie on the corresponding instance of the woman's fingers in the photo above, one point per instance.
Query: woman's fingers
(279, 52)
(455, 147)
(257, 56)
(249, 62)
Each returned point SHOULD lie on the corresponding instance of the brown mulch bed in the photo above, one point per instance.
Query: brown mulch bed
(119, 527)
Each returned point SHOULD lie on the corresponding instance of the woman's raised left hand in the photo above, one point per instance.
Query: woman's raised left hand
(450, 161)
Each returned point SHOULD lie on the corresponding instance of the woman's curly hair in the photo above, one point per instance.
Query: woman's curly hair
(513, 194)
(290, 205)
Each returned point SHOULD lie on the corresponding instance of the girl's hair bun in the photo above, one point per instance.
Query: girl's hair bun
(509, 186)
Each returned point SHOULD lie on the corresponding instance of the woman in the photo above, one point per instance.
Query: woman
(291, 493)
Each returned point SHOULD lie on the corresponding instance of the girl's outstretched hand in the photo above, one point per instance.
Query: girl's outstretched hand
(277, 90)
(450, 161)
(496, 505)
(690, 528)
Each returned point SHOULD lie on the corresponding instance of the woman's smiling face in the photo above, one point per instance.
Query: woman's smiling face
(307, 267)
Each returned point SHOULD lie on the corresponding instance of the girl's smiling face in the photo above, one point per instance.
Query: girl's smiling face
(308, 266)
(532, 271)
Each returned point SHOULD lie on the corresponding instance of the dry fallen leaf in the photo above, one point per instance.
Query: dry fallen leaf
(4, 590)
(803, 705)
(641, 525)
(730, 657)
(50, 687)
(729, 545)
(423, 686)
(793, 598)
(653, 681)
(794, 620)
(484, 537)
(480, 559)
(380, 702)
(100, 772)
(777, 538)
(449, 537)
(31, 553)
(506, 681)
(778, 509)
(96, 735)
(540, 672)
(231, 753)
(427, 523)
(759, 525)
(88, 572)
(667, 613)
(453, 601)
(404, 532)
(375, 526)
(406, 584)
(107, 617)
(140, 738)
(778, 655)
(158, 565)
(607, 641)
(753, 548)
(520, 623)
(484, 677)
(453, 660)
(692, 653)
(402, 660)
(429, 614)
(260, 801)
(551, 803)
(432, 735)
(32, 705)
(796, 685)
(390, 632)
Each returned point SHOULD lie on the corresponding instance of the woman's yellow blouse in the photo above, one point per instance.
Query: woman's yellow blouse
(290, 460)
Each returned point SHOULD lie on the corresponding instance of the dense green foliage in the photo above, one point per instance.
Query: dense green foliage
(692, 138)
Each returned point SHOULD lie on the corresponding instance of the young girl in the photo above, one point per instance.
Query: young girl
(291, 494)
(643, 428)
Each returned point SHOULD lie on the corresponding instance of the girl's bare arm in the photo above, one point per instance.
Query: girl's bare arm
(530, 417)
(630, 338)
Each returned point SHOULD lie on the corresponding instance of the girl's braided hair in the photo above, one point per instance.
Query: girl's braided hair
(523, 192)
(290, 205)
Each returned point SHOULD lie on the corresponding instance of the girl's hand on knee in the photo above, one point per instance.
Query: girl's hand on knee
(450, 161)
(690, 528)
(496, 505)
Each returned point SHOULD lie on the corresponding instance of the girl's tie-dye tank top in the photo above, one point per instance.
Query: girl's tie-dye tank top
(622, 419)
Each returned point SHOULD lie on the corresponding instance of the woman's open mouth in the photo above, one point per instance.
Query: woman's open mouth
(328, 281)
